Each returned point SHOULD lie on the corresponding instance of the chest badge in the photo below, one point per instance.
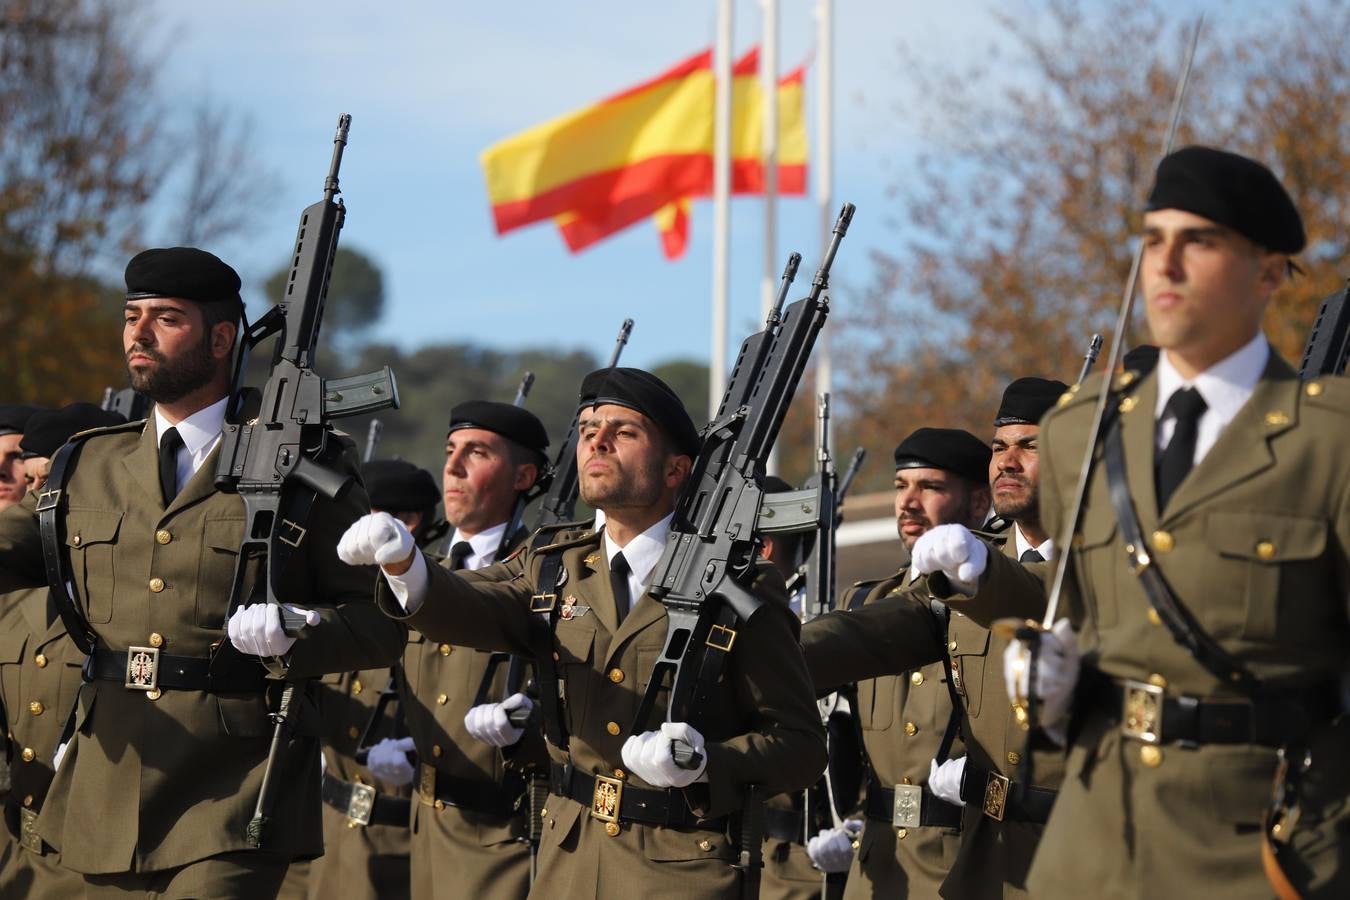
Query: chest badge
(571, 609)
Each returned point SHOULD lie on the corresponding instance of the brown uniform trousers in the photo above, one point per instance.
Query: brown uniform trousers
(1253, 542)
(157, 788)
(903, 719)
(762, 728)
(39, 678)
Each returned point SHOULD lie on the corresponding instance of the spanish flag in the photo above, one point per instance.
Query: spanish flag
(643, 152)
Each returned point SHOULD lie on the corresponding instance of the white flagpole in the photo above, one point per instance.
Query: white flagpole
(768, 71)
(825, 168)
(717, 365)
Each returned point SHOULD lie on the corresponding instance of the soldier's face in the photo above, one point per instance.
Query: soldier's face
(35, 472)
(1205, 287)
(12, 485)
(1014, 472)
(928, 497)
(480, 482)
(170, 352)
(623, 461)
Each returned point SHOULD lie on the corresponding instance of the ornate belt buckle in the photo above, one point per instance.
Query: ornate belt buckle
(543, 603)
(426, 786)
(606, 798)
(28, 836)
(907, 811)
(1141, 715)
(996, 796)
(142, 668)
(720, 637)
(361, 804)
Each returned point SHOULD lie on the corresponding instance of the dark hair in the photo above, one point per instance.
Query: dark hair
(520, 455)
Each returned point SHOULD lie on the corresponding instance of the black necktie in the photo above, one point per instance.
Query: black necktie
(618, 582)
(1032, 555)
(1176, 461)
(169, 445)
(458, 553)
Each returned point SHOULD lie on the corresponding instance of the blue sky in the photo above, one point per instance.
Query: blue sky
(429, 85)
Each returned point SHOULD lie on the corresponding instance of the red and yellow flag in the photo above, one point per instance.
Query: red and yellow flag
(643, 152)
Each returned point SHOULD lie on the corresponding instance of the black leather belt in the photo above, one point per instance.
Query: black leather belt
(145, 668)
(1146, 713)
(784, 825)
(364, 805)
(615, 801)
(1002, 799)
(933, 810)
(486, 797)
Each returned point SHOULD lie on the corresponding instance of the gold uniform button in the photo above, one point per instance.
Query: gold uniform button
(163, 536)
(556, 657)
(1313, 388)
(40, 661)
(353, 732)
(612, 829)
(1128, 404)
(906, 780)
(440, 804)
(442, 699)
(28, 754)
(616, 676)
(705, 845)
(901, 833)
(1154, 617)
(1163, 542)
(445, 649)
(156, 639)
(77, 540)
(618, 773)
(28, 801)
(153, 694)
(613, 728)
(1157, 680)
(1265, 550)
(543, 813)
(911, 729)
(357, 687)
(1014, 757)
(436, 750)
(1150, 756)
(916, 679)
(951, 645)
(156, 585)
(36, 708)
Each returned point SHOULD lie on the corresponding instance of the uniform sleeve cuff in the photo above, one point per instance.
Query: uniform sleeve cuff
(410, 588)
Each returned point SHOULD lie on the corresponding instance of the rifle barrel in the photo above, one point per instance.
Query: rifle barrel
(330, 184)
(523, 390)
(625, 330)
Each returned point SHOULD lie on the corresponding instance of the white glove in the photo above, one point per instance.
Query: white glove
(1056, 677)
(648, 756)
(488, 722)
(832, 849)
(375, 539)
(945, 780)
(60, 754)
(388, 761)
(256, 630)
(954, 551)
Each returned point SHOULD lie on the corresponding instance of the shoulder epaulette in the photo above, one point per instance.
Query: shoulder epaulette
(550, 537)
(1328, 392)
(122, 428)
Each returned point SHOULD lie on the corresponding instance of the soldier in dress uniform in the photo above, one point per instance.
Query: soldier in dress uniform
(156, 789)
(467, 765)
(1221, 636)
(39, 669)
(941, 476)
(13, 418)
(622, 817)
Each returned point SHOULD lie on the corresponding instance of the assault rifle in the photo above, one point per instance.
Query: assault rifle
(373, 435)
(1329, 340)
(126, 402)
(1090, 357)
(280, 458)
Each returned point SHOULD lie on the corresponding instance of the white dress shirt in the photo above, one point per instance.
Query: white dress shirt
(1225, 387)
(1022, 545)
(642, 553)
(200, 433)
(484, 544)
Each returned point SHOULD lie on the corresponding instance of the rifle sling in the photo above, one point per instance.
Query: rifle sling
(944, 616)
(1179, 620)
(52, 530)
(543, 622)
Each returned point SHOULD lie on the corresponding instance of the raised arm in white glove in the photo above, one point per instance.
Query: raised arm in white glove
(488, 722)
(832, 849)
(388, 761)
(954, 551)
(945, 780)
(379, 539)
(256, 630)
(1056, 677)
(648, 756)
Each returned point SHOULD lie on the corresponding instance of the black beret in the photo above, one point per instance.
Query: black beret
(647, 394)
(183, 272)
(513, 422)
(951, 449)
(1231, 190)
(14, 417)
(51, 428)
(1141, 359)
(396, 485)
(1027, 399)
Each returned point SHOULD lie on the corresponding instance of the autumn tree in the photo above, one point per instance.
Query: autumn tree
(1014, 230)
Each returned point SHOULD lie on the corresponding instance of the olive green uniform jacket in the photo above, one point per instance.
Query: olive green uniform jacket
(154, 784)
(1253, 542)
(39, 678)
(764, 727)
(903, 717)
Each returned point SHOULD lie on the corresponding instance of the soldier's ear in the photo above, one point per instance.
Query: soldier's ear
(677, 469)
(526, 475)
(222, 339)
(1272, 272)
